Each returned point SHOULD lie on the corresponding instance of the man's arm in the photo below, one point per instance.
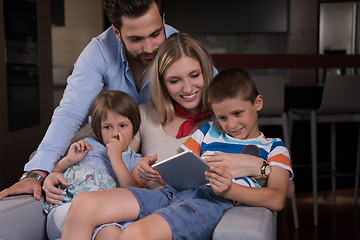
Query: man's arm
(83, 86)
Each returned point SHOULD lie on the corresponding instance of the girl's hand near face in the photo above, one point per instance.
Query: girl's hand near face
(115, 148)
(78, 151)
(219, 179)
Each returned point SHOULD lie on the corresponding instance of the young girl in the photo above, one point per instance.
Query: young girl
(105, 163)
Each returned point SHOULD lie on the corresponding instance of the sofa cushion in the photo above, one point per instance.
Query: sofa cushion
(246, 223)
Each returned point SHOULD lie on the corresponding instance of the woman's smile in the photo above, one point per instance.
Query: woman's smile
(190, 97)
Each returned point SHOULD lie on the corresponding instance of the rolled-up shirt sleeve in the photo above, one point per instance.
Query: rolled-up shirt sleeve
(83, 86)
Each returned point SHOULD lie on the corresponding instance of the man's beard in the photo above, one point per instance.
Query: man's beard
(139, 58)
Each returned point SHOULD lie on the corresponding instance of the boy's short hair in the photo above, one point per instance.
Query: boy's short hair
(232, 83)
(118, 102)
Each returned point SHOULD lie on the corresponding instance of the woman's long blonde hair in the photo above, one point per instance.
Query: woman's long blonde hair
(172, 49)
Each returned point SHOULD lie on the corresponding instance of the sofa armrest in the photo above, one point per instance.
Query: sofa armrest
(21, 217)
(247, 223)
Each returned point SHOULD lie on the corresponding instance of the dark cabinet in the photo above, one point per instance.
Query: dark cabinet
(228, 17)
(25, 82)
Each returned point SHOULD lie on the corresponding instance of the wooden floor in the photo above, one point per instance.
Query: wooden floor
(341, 221)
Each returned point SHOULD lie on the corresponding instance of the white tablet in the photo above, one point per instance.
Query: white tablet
(183, 171)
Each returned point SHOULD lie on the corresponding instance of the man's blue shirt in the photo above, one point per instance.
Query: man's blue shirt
(101, 62)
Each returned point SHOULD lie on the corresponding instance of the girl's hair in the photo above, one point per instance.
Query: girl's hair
(118, 102)
(171, 50)
(232, 83)
(116, 9)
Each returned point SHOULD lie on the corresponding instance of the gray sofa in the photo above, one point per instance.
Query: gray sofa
(21, 217)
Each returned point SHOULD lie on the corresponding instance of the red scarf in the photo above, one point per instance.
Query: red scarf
(187, 126)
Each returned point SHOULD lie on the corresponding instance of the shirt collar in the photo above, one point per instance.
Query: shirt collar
(122, 55)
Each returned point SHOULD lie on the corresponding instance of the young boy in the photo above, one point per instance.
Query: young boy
(235, 102)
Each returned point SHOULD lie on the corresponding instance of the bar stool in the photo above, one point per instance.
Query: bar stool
(272, 88)
(340, 103)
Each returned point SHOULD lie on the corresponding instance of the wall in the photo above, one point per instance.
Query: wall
(302, 38)
(83, 21)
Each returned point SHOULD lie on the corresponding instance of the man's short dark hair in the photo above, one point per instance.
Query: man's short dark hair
(116, 9)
